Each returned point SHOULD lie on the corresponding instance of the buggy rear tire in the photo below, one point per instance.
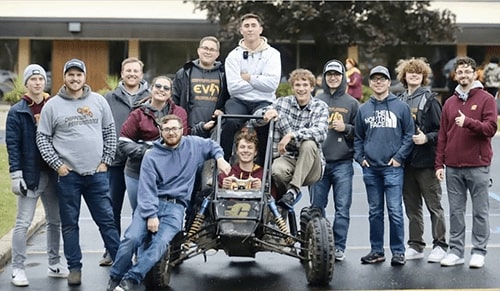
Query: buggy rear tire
(159, 275)
(319, 251)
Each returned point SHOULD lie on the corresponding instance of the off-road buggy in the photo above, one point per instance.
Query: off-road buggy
(245, 221)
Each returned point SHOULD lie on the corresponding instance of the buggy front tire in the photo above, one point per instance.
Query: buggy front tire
(319, 251)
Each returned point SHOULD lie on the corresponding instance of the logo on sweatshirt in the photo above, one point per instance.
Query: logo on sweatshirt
(381, 119)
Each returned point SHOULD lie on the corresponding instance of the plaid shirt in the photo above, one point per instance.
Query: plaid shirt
(309, 123)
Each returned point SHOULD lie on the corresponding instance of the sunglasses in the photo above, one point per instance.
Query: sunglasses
(159, 86)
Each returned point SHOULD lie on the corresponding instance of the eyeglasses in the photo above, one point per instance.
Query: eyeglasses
(209, 49)
(378, 79)
(171, 129)
(159, 86)
(464, 72)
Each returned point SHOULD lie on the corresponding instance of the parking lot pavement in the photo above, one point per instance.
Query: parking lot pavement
(270, 271)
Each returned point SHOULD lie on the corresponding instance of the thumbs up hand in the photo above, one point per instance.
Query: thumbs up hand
(460, 119)
(419, 138)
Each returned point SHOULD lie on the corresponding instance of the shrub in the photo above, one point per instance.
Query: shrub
(17, 91)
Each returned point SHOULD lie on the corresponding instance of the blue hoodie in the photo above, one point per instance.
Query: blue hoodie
(383, 131)
(170, 172)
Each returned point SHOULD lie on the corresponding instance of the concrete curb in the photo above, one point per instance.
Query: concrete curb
(6, 240)
(4, 110)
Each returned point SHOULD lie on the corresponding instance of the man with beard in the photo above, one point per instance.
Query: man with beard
(166, 181)
(468, 122)
(76, 137)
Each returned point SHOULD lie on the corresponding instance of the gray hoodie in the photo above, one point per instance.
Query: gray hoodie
(338, 146)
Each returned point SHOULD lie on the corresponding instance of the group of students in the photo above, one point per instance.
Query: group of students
(152, 142)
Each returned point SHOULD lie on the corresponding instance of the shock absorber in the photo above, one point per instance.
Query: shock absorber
(197, 222)
(280, 222)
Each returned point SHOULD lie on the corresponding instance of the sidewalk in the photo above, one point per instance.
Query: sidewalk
(6, 240)
(4, 109)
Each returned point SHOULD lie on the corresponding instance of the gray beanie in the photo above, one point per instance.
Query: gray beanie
(31, 70)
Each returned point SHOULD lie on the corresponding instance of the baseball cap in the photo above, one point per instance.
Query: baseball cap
(75, 63)
(334, 66)
(380, 70)
(32, 70)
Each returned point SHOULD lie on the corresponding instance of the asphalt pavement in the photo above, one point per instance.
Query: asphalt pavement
(271, 271)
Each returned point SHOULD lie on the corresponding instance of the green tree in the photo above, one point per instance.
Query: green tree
(373, 24)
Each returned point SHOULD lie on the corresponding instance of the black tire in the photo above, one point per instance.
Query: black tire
(319, 251)
(306, 215)
(159, 275)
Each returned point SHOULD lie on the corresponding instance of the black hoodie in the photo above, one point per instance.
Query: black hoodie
(338, 146)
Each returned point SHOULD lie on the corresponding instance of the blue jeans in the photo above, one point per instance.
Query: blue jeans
(337, 175)
(385, 182)
(171, 217)
(230, 126)
(26, 206)
(132, 186)
(117, 192)
(95, 190)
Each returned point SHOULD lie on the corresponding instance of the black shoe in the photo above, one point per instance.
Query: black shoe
(373, 258)
(288, 199)
(112, 283)
(398, 260)
(125, 285)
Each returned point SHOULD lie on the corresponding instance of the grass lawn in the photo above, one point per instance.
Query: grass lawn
(8, 201)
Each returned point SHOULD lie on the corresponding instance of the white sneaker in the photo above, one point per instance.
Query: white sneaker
(19, 278)
(476, 261)
(57, 271)
(436, 255)
(413, 254)
(452, 260)
(339, 255)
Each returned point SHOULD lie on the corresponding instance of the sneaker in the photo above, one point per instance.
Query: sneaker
(436, 255)
(476, 261)
(74, 278)
(57, 271)
(339, 255)
(398, 260)
(125, 285)
(106, 260)
(413, 254)
(19, 278)
(451, 260)
(373, 258)
(112, 284)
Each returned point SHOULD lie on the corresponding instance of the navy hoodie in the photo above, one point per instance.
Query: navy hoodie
(383, 130)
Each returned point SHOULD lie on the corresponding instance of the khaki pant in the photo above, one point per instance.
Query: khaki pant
(304, 170)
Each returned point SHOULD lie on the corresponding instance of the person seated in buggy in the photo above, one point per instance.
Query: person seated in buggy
(245, 173)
